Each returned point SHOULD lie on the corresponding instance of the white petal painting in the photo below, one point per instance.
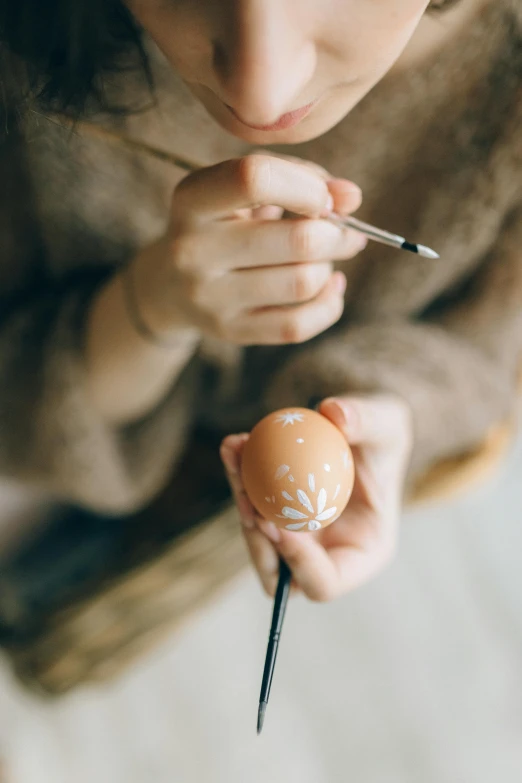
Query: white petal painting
(328, 514)
(297, 526)
(315, 503)
(305, 500)
(281, 471)
(293, 513)
(321, 501)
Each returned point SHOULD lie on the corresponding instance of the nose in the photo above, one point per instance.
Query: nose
(264, 61)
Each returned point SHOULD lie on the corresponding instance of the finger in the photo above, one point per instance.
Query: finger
(288, 241)
(264, 557)
(263, 553)
(347, 196)
(282, 285)
(252, 181)
(312, 568)
(355, 567)
(230, 452)
(376, 419)
(243, 244)
(292, 325)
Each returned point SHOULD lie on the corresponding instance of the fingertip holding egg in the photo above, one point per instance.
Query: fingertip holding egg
(298, 470)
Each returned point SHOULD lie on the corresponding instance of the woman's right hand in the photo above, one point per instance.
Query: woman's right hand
(231, 268)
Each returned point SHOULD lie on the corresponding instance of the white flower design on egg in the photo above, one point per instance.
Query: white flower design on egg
(313, 517)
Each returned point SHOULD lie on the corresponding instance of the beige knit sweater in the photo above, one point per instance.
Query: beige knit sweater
(438, 154)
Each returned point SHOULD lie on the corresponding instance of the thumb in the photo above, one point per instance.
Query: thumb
(373, 419)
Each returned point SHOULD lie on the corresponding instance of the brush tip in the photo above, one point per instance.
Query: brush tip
(427, 252)
(421, 250)
(261, 716)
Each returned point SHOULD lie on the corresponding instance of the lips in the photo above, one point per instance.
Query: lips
(287, 120)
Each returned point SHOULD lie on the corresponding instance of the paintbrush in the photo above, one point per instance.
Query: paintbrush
(278, 615)
(384, 237)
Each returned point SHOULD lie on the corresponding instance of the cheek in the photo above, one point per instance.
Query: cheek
(369, 35)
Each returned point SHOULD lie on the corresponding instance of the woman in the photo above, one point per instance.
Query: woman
(130, 313)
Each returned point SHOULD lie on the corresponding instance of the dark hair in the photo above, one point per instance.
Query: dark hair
(63, 49)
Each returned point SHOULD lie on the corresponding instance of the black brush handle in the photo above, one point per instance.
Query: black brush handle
(278, 616)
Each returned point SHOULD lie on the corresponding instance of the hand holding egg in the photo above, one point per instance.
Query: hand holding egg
(297, 470)
(337, 558)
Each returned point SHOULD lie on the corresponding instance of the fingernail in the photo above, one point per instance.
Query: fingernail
(348, 186)
(344, 416)
(329, 206)
(362, 241)
(336, 413)
(271, 531)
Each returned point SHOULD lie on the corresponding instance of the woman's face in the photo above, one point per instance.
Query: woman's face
(252, 62)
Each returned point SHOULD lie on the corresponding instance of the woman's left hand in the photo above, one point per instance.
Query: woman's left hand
(363, 540)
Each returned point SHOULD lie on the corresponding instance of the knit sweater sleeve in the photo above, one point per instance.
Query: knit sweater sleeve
(456, 366)
(51, 435)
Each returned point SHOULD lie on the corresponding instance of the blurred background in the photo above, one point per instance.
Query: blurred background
(416, 678)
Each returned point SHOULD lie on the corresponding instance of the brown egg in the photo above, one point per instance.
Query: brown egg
(298, 470)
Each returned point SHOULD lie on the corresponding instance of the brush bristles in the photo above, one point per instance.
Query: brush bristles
(261, 716)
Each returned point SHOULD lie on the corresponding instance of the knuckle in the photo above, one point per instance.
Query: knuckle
(184, 253)
(292, 330)
(356, 242)
(255, 175)
(303, 240)
(303, 285)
